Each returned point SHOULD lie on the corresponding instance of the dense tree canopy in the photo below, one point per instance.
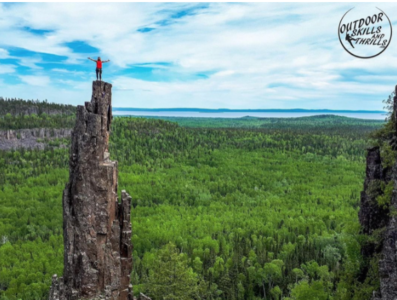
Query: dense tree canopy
(20, 107)
(228, 213)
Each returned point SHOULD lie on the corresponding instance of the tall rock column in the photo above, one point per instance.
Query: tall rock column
(96, 227)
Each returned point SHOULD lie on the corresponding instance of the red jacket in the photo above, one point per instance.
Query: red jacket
(99, 64)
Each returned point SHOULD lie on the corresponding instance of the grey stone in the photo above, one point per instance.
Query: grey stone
(97, 228)
(28, 138)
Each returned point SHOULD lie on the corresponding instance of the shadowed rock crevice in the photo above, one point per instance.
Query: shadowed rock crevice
(96, 227)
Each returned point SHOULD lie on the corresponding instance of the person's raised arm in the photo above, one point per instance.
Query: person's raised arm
(105, 61)
(91, 59)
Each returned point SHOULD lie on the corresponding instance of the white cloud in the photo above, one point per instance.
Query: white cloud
(60, 70)
(6, 68)
(3, 53)
(36, 80)
(224, 73)
(68, 72)
(260, 55)
(30, 62)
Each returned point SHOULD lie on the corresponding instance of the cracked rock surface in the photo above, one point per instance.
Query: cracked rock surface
(96, 227)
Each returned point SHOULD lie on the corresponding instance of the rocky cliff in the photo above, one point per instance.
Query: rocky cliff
(378, 219)
(30, 138)
(96, 227)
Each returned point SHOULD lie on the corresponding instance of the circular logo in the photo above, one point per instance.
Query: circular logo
(365, 34)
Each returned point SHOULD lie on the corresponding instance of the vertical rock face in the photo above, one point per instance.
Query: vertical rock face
(388, 261)
(96, 227)
(373, 217)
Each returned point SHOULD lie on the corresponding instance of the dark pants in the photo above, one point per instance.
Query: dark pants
(98, 72)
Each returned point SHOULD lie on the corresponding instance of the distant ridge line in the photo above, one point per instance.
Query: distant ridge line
(220, 110)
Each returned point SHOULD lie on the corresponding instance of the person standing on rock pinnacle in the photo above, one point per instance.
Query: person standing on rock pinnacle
(99, 66)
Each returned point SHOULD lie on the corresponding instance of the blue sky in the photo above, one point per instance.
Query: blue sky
(207, 55)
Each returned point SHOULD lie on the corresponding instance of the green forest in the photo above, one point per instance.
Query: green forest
(20, 107)
(221, 209)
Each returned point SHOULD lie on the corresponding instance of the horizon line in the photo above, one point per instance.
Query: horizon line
(247, 110)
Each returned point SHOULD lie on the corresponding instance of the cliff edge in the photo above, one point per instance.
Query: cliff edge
(378, 209)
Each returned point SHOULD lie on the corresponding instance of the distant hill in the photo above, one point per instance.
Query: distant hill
(318, 123)
(220, 110)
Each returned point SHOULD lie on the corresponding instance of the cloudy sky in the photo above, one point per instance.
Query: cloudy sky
(208, 55)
